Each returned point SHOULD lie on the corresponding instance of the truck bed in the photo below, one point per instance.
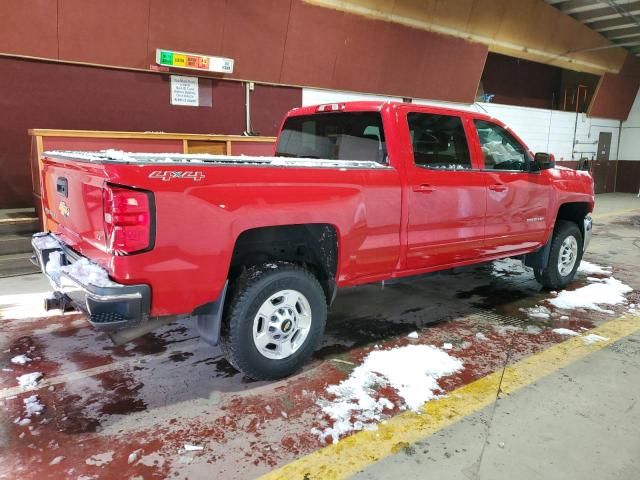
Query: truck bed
(204, 159)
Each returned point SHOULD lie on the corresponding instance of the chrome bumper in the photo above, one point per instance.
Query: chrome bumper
(108, 307)
(588, 231)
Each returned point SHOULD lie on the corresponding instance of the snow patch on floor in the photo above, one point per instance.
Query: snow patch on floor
(56, 460)
(356, 404)
(565, 331)
(20, 360)
(100, 459)
(539, 311)
(29, 380)
(608, 292)
(193, 448)
(589, 268)
(413, 335)
(32, 406)
(593, 338)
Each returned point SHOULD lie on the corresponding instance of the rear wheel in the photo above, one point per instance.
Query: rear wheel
(274, 321)
(564, 257)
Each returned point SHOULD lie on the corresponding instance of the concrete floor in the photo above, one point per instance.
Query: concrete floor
(114, 412)
(581, 422)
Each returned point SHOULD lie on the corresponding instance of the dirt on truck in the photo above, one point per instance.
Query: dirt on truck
(254, 249)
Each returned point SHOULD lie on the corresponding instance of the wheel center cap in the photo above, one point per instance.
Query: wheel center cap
(286, 326)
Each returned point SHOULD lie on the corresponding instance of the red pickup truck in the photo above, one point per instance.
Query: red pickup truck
(254, 248)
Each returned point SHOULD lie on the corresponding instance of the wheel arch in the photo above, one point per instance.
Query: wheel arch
(311, 245)
(574, 212)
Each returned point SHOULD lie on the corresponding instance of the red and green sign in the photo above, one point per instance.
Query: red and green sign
(192, 61)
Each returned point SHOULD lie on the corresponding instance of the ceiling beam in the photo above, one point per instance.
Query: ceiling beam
(570, 5)
(611, 24)
(620, 33)
(627, 40)
(592, 15)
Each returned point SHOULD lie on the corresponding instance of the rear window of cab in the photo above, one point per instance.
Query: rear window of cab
(354, 136)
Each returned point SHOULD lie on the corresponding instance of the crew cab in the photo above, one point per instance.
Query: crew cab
(254, 249)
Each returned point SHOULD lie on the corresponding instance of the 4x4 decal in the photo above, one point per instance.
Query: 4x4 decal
(167, 175)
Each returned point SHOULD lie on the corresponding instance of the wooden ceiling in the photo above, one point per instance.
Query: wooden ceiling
(529, 29)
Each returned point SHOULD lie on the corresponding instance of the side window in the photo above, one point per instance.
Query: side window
(501, 151)
(438, 141)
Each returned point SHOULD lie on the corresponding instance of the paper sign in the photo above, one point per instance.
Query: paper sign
(184, 91)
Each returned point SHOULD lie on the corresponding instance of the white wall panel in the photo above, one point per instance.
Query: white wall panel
(542, 130)
(553, 131)
(630, 137)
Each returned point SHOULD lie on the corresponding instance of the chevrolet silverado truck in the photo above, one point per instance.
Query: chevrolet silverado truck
(253, 249)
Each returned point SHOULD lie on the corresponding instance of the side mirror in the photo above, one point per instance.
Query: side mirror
(543, 161)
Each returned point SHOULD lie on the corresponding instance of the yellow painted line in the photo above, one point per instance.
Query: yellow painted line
(598, 216)
(361, 449)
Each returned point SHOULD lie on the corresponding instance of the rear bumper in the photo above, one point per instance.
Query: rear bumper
(108, 307)
(588, 231)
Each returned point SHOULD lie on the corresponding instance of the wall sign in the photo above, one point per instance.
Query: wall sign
(184, 91)
(193, 61)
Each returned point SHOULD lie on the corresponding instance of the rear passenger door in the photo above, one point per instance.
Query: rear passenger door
(446, 197)
(517, 199)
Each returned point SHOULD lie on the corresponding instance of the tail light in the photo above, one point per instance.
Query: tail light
(128, 220)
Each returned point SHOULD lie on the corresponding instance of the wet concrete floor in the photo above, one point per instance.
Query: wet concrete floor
(129, 411)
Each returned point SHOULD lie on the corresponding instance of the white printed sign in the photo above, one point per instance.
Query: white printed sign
(184, 91)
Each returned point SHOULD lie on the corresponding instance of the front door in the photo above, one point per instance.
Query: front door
(517, 200)
(601, 165)
(446, 198)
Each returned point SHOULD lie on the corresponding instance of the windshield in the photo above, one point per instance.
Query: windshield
(334, 136)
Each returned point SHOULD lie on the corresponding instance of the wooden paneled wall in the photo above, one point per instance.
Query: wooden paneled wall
(616, 92)
(628, 176)
(274, 41)
(59, 96)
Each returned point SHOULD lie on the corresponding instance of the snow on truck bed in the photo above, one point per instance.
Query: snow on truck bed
(205, 158)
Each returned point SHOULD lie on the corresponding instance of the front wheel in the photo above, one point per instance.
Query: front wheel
(564, 257)
(274, 321)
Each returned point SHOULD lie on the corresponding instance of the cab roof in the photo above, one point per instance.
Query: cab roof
(379, 106)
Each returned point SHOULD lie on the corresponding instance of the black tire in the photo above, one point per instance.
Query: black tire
(247, 295)
(550, 276)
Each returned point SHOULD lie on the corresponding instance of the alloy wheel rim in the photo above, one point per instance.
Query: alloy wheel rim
(568, 255)
(282, 324)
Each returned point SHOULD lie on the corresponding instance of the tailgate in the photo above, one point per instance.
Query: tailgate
(73, 203)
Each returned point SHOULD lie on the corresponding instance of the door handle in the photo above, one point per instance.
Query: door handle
(424, 188)
(498, 188)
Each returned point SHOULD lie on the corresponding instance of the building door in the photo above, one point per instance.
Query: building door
(601, 164)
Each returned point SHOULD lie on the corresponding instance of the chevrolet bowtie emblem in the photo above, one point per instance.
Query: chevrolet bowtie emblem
(63, 208)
